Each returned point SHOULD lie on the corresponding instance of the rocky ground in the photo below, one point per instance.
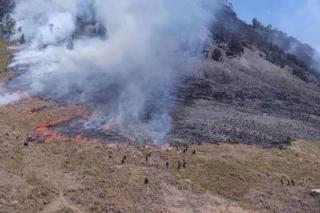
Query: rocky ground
(246, 100)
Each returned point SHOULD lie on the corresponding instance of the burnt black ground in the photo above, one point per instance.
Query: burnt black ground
(78, 127)
(246, 100)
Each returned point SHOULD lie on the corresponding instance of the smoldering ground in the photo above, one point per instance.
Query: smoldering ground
(121, 58)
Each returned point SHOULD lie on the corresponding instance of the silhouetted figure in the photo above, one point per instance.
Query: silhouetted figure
(146, 181)
(27, 141)
(22, 39)
(184, 164)
(167, 165)
(194, 152)
(148, 156)
(124, 159)
(179, 165)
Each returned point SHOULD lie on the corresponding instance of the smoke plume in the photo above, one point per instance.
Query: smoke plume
(121, 58)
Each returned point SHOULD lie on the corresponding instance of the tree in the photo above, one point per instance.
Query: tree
(256, 24)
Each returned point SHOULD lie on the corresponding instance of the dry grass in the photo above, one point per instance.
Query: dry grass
(4, 57)
(248, 174)
(87, 177)
(20, 114)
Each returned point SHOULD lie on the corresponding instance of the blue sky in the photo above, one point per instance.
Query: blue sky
(299, 18)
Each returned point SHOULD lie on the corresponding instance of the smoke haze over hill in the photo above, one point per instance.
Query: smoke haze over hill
(122, 58)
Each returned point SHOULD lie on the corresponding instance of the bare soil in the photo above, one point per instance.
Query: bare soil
(76, 176)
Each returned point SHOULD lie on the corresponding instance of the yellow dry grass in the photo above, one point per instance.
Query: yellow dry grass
(86, 177)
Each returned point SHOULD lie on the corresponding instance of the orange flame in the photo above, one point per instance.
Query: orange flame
(50, 135)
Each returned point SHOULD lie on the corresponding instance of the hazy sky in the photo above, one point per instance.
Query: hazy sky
(299, 18)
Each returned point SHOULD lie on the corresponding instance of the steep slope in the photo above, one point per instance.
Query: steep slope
(244, 97)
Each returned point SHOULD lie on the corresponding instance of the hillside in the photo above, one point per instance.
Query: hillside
(240, 96)
(81, 176)
(245, 138)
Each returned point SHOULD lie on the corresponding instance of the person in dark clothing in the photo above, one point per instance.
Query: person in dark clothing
(167, 165)
(28, 140)
(184, 164)
(124, 159)
(146, 181)
(179, 165)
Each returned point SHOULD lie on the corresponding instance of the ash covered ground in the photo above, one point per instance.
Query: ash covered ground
(256, 86)
(246, 100)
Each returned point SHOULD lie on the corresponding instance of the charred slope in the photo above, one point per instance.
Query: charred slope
(241, 96)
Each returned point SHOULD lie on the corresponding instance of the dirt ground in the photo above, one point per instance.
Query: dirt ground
(77, 176)
(70, 176)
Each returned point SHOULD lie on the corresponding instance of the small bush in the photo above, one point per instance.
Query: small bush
(256, 24)
(276, 58)
(217, 55)
(235, 48)
(294, 60)
(300, 73)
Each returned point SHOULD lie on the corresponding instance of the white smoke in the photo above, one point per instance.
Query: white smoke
(126, 75)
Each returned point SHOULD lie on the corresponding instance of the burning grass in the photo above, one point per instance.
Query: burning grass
(45, 132)
(90, 176)
(20, 116)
